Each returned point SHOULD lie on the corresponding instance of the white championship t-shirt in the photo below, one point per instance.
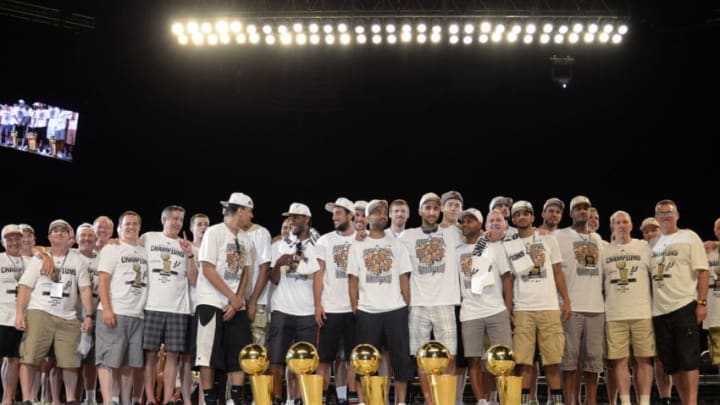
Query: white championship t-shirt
(535, 290)
(128, 267)
(262, 241)
(167, 277)
(626, 269)
(434, 280)
(229, 253)
(11, 269)
(713, 317)
(490, 301)
(581, 256)
(335, 297)
(677, 258)
(378, 264)
(57, 298)
(294, 292)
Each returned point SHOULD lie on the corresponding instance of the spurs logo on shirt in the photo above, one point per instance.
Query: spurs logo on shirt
(340, 258)
(466, 268)
(586, 254)
(378, 262)
(430, 253)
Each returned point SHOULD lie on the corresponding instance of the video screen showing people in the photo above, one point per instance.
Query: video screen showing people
(39, 128)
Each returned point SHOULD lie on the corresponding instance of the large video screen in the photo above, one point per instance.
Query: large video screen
(39, 128)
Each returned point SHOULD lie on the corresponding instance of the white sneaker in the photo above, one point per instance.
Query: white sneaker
(483, 402)
(230, 402)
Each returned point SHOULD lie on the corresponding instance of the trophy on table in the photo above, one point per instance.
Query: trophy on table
(302, 359)
(254, 361)
(500, 362)
(433, 358)
(365, 360)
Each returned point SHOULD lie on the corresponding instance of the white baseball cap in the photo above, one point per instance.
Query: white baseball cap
(554, 201)
(500, 200)
(473, 212)
(521, 205)
(10, 229)
(240, 199)
(579, 199)
(340, 202)
(60, 222)
(374, 204)
(360, 205)
(649, 221)
(298, 209)
(429, 196)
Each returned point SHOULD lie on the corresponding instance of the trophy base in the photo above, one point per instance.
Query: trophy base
(443, 388)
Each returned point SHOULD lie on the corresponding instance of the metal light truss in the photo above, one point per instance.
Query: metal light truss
(62, 18)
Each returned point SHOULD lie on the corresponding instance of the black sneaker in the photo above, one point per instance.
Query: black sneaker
(298, 401)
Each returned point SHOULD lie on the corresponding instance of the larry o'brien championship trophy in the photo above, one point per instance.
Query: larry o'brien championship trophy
(432, 358)
(302, 359)
(254, 361)
(500, 362)
(365, 360)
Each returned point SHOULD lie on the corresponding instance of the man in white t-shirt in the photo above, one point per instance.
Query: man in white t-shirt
(585, 330)
(259, 288)
(680, 288)
(650, 229)
(221, 320)
(297, 267)
(537, 315)
(486, 284)
(434, 284)
(103, 227)
(360, 221)
(334, 314)
(122, 287)
(379, 268)
(51, 320)
(86, 240)
(12, 266)
(170, 259)
(551, 215)
(399, 215)
(628, 309)
(712, 322)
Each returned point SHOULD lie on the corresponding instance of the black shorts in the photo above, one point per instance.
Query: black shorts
(337, 328)
(393, 326)
(10, 341)
(286, 329)
(460, 360)
(218, 345)
(677, 338)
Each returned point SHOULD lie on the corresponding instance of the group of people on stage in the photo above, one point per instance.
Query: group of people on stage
(562, 298)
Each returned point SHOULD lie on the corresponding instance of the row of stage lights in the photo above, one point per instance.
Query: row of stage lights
(315, 32)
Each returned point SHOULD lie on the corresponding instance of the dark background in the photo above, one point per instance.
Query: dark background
(160, 124)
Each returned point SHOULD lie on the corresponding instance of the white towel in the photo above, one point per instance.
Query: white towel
(515, 249)
(482, 273)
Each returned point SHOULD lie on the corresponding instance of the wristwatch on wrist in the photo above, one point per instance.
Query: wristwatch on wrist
(702, 302)
(91, 316)
(191, 256)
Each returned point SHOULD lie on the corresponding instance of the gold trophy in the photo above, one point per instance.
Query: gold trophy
(623, 271)
(166, 262)
(13, 137)
(254, 361)
(53, 145)
(365, 360)
(302, 359)
(32, 142)
(433, 358)
(138, 275)
(500, 362)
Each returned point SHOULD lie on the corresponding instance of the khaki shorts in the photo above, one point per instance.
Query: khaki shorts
(714, 345)
(620, 334)
(44, 331)
(546, 328)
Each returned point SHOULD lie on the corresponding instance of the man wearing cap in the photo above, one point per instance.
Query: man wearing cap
(86, 240)
(582, 254)
(399, 215)
(170, 259)
(551, 215)
(360, 221)
(434, 285)
(486, 285)
(379, 268)
(334, 314)
(297, 267)
(537, 314)
(12, 266)
(28, 241)
(680, 291)
(122, 287)
(650, 229)
(222, 323)
(51, 319)
(503, 204)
